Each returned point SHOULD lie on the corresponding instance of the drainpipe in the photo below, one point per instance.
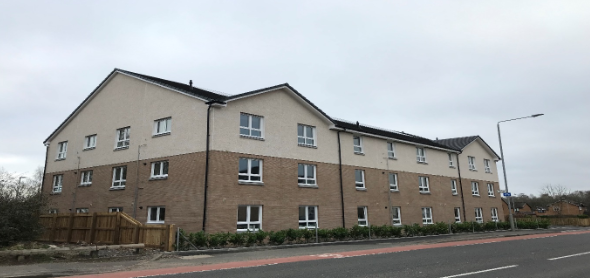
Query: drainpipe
(136, 193)
(461, 186)
(341, 186)
(76, 184)
(45, 167)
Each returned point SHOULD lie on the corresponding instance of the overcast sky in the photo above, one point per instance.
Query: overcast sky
(432, 68)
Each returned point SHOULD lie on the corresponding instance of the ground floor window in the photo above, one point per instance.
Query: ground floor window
(81, 210)
(249, 218)
(478, 215)
(363, 220)
(427, 216)
(52, 211)
(308, 217)
(396, 215)
(495, 214)
(117, 209)
(156, 215)
(457, 215)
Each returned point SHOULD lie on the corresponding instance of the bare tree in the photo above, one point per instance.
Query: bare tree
(555, 191)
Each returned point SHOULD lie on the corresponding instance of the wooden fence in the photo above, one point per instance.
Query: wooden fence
(105, 228)
(559, 221)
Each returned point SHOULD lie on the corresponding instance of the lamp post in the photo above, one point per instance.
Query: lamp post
(504, 166)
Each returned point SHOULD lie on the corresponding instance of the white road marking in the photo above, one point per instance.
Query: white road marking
(574, 255)
(481, 271)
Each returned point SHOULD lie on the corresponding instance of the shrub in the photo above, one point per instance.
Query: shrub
(277, 238)
(359, 232)
(340, 233)
(412, 230)
(198, 239)
(379, 231)
(250, 238)
(308, 234)
(237, 239)
(582, 216)
(218, 239)
(260, 236)
(441, 228)
(544, 224)
(293, 235)
(489, 226)
(324, 234)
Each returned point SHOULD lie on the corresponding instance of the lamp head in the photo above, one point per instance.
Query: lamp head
(537, 115)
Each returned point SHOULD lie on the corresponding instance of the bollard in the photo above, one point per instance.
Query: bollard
(316, 232)
(472, 227)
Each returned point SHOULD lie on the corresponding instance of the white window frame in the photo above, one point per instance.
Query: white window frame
(159, 218)
(427, 218)
(122, 143)
(120, 183)
(305, 137)
(161, 174)
(116, 209)
(308, 224)
(358, 149)
(478, 215)
(491, 190)
(306, 180)
(486, 165)
(363, 221)
(457, 211)
(451, 161)
(359, 184)
(249, 128)
(162, 126)
(396, 221)
(82, 210)
(62, 150)
(249, 174)
(393, 186)
(420, 155)
(423, 184)
(454, 187)
(86, 178)
(494, 214)
(471, 161)
(475, 188)
(391, 150)
(90, 142)
(248, 222)
(57, 184)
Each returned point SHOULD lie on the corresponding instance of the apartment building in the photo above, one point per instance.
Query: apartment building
(168, 152)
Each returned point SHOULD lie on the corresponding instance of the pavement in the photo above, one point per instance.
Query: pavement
(227, 259)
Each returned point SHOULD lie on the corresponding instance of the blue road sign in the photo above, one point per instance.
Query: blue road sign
(506, 194)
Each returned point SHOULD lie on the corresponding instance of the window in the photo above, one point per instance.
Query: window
(57, 183)
(86, 178)
(393, 182)
(159, 170)
(421, 155)
(81, 210)
(474, 188)
(427, 216)
(306, 135)
(451, 161)
(306, 175)
(250, 170)
(396, 215)
(454, 187)
(117, 209)
(471, 161)
(308, 217)
(156, 214)
(251, 126)
(390, 150)
(122, 140)
(119, 177)
(249, 218)
(363, 220)
(424, 188)
(359, 176)
(486, 164)
(494, 214)
(162, 126)
(478, 215)
(491, 190)
(62, 149)
(90, 142)
(357, 141)
(52, 211)
(554, 209)
(457, 215)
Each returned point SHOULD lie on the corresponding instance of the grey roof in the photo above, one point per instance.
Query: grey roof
(460, 143)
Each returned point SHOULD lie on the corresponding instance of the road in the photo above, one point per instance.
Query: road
(557, 256)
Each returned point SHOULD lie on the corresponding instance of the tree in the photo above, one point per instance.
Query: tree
(555, 191)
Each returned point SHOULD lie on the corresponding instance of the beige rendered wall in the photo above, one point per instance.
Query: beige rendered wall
(477, 150)
(126, 101)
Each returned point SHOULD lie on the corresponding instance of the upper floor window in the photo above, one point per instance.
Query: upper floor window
(357, 141)
(427, 216)
(306, 135)
(390, 150)
(454, 187)
(90, 142)
(162, 126)
(420, 155)
(249, 218)
(62, 149)
(251, 126)
(359, 178)
(156, 214)
(122, 140)
(478, 215)
(491, 190)
(457, 215)
(474, 188)
(396, 216)
(424, 186)
(495, 214)
(308, 217)
(86, 178)
(250, 170)
(471, 161)
(306, 174)
(363, 219)
(451, 161)
(159, 170)
(57, 183)
(486, 164)
(82, 210)
(119, 177)
(393, 182)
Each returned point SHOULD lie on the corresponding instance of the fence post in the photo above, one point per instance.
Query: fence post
(177, 238)
(117, 229)
(70, 227)
(93, 228)
(53, 228)
(136, 234)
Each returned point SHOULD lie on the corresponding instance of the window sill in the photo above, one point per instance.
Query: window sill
(453, 167)
(55, 193)
(84, 185)
(473, 170)
(161, 134)
(425, 192)
(394, 190)
(155, 222)
(58, 159)
(392, 158)
(361, 189)
(251, 182)
(422, 162)
(158, 178)
(488, 172)
(476, 195)
(494, 196)
(359, 153)
(116, 188)
(308, 186)
(252, 137)
(307, 146)
(455, 194)
(88, 149)
(121, 148)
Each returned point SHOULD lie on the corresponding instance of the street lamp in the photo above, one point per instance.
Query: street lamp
(504, 166)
